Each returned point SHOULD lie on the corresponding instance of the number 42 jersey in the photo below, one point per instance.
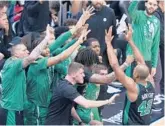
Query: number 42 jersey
(139, 112)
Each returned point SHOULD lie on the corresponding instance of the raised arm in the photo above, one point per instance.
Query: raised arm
(133, 11)
(64, 37)
(139, 58)
(65, 54)
(127, 82)
(59, 50)
(108, 79)
(37, 50)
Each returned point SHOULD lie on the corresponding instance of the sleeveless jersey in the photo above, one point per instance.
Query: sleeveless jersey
(139, 111)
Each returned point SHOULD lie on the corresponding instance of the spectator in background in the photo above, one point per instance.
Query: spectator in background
(103, 18)
(5, 34)
(3, 7)
(54, 8)
(34, 18)
(70, 23)
(146, 33)
(159, 13)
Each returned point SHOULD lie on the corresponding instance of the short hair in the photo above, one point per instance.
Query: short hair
(142, 71)
(15, 47)
(87, 57)
(3, 4)
(70, 22)
(90, 40)
(74, 67)
(98, 67)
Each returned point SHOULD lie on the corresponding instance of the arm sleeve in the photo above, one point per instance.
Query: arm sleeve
(60, 50)
(60, 68)
(17, 65)
(133, 11)
(60, 41)
(155, 47)
(42, 63)
(70, 92)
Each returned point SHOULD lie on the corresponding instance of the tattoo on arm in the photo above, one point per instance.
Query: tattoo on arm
(35, 53)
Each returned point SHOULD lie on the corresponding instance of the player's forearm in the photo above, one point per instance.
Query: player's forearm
(112, 77)
(70, 50)
(111, 56)
(62, 56)
(132, 8)
(37, 50)
(95, 104)
(35, 53)
(137, 54)
(60, 41)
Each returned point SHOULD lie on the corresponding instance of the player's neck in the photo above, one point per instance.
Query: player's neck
(70, 79)
(144, 82)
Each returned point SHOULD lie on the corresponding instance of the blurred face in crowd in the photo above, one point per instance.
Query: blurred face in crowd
(151, 6)
(54, 15)
(20, 51)
(98, 4)
(46, 52)
(3, 21)
(3, 10)
(103, 72)
(95, 46)
(79, 76)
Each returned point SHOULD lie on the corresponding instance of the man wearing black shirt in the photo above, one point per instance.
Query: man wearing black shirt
(64, 95)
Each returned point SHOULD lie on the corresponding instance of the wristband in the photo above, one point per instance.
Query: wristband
(126, 64)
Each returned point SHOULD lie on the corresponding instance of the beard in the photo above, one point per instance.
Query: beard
(98, 6)
(149, 12)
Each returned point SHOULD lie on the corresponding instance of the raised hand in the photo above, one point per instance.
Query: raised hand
(108, 36)
(130, 59)
(84, 34)
(128, 35)
(49, 32)
(85, 16)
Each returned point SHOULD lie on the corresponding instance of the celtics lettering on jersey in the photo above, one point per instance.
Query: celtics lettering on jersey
(145, 107)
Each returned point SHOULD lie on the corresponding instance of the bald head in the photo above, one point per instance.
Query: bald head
(141, 72)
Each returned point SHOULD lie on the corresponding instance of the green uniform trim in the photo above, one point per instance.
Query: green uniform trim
(126, 110)
(60, 41)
